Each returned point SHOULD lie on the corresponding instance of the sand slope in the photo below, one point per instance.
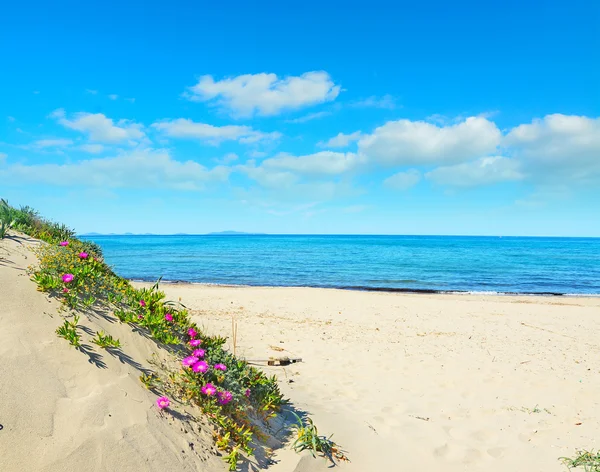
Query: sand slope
(425, 382)
(63, 410)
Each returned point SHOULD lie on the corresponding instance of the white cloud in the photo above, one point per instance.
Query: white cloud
(341, 140)
(309, 117)
(406, 142)
(130, 100)
(137, 169)
(12, 119)
(483, 171)
(51, 143)
(265, 94)
(113, 96)
(403, 180)
(269, 178)
(91, 92)
(387, 102)
(228, 158)
(99, 127)
(92, 148)
(257, 154)
(324, 163)
(3, 157)
(184, 128)
(559, 147)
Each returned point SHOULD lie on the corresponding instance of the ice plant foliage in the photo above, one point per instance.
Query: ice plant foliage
(209, 389)
(189, 361)
(224, 397)
(198, 352)
(163, 402)
(67, 278)
(200, 367)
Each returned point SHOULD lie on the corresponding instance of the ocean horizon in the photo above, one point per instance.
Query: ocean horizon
(407, 263)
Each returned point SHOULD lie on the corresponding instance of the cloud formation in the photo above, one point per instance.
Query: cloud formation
(403, 180)
(558, 147)
(51, 143)
(341, 140)
(188, 129)
(405, 142)
(137, 169)
(483, 171)
(100, 128)
(324, 163)
(264, 94)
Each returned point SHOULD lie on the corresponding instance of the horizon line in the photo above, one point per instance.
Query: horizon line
(236, 234)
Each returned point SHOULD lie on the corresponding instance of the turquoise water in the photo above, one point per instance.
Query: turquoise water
(412, 263)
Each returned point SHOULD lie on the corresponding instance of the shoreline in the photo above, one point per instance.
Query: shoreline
(402, 290)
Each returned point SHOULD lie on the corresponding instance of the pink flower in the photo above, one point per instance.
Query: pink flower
(142, 303)
(65, 290)
(247, 392)
(222, 367)
(192, 333)
(189, 361)
(64, 243)
(140, 317)
(195, 342)
(83, 255)
(198, 353)
(209, 389)
(224, 397)
(200, 367)
(66, 278)
(169, 317)
(163, 402)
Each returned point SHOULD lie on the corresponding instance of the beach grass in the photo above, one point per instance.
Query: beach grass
(588, 461)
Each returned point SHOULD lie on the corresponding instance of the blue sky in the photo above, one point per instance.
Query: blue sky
(336, 117)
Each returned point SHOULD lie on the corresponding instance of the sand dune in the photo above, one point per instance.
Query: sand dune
(64, 411)
(425, 382)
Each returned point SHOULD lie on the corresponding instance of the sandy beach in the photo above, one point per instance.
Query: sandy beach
(403, 381)
(424, 382)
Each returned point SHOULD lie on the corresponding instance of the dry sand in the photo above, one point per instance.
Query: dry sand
(425, 382)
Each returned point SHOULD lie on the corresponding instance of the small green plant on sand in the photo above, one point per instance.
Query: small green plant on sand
(231, 459)
(308, 438)
(106, 341)
(7, 218)
(150, 380)
(68, 330)
(589, 460)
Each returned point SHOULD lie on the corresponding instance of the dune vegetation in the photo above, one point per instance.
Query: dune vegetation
(239, 399)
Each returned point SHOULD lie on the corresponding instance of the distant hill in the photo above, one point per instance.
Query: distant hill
(229, 233)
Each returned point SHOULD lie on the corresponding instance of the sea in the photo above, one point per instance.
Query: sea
(428, 264)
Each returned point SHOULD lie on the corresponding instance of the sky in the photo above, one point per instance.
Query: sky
(379, 117)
